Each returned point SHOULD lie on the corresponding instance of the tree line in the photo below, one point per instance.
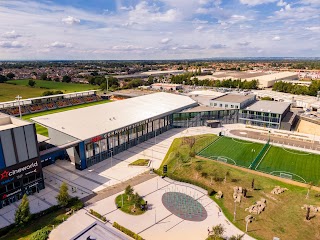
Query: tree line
(191, 79)
(310, 90)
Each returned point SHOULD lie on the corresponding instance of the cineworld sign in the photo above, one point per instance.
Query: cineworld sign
(19, 170)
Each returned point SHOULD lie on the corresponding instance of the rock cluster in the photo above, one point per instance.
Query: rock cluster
(312, 208)
(249, 218)
(237, 193)
(258, 207)
(277, 190)
(219, 195)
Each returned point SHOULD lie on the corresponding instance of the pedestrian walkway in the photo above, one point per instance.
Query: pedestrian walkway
(158, 222)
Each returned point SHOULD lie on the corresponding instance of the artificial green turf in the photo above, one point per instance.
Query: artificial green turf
(42, 130)
(238, 150)
(304, 164)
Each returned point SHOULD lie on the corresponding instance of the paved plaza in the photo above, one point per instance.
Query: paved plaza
(158, 222)
(110, 172)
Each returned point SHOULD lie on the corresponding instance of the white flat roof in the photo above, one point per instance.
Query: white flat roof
(8, 122)
(269, 106)
(85, 123)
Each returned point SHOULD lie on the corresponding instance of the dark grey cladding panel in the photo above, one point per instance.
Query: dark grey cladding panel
(31, 141)
(21, 145)
(8, 149)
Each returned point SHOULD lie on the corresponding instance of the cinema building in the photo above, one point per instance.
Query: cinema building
(20, 166)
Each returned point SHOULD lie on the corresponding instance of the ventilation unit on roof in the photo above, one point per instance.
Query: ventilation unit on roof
(110, 119)
(114, 118)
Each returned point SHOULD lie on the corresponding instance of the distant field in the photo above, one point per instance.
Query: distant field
(302, 166)
(235, 150)
(9, 91)
(42, 130)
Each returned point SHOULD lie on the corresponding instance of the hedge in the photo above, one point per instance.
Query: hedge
(127, 231)
(98, 215)
(41, 234)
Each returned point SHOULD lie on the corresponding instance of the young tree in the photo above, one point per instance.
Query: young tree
(63, 197)
(236, 237)
(22, 214)
(31, 83)
(217, 232)
(137, 199)
(128, 191)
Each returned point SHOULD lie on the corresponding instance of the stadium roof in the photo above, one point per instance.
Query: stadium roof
(234, 98)
(269, 106)
(85, 123)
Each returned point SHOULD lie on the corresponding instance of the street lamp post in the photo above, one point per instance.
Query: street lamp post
(234, 213)
(18, 98)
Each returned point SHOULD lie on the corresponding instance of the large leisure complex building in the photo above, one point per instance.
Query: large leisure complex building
(86, 136)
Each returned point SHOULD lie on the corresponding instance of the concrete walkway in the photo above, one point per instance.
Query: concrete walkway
(157, 223)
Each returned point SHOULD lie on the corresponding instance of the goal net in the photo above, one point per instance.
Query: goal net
(286, 175)
(222, 159)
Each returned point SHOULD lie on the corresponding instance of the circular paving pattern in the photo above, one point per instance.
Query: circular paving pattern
(184, 206)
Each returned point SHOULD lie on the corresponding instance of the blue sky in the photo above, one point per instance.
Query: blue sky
(158, 29)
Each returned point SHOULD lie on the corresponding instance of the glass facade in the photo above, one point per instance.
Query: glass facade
(112, 143)
(262, 119)
(194, 119)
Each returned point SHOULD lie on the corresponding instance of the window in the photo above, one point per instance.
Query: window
(237, 106)
(220, 105)
(215, 104)
(226, 105)
(232, 106)
(89, 150)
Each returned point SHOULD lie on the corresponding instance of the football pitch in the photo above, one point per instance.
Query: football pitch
(302, 166)
(278, 161)
(233, 151)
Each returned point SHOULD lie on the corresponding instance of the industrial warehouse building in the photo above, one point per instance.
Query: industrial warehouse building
(20, 166)
(95, 133)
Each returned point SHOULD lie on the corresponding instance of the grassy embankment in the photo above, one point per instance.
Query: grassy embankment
(283, 216)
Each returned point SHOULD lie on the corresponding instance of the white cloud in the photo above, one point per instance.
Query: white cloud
(165, 40)
(276, 38)
(256, 2)
(71, 20)
(314, 29)
(13, 44)
(281, 3)
(59, 45)
(11, 35)
(218, 46)
(244, 43)
(287, 7)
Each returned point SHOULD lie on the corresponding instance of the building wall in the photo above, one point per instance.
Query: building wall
(20, 166)
(232, 105)
(58, 138)
(18, 145)
(109, 144)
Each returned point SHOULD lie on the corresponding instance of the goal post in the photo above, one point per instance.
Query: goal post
(222, 159)
(286, 175)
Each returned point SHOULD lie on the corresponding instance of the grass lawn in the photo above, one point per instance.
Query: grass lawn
(50, 85)
(233, 149)
(8, 92)
(140, 162)
(283, 216)
(128, 205)
(42, 130)
(303, 164)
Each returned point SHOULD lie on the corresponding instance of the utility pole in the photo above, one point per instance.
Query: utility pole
(18, 98)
